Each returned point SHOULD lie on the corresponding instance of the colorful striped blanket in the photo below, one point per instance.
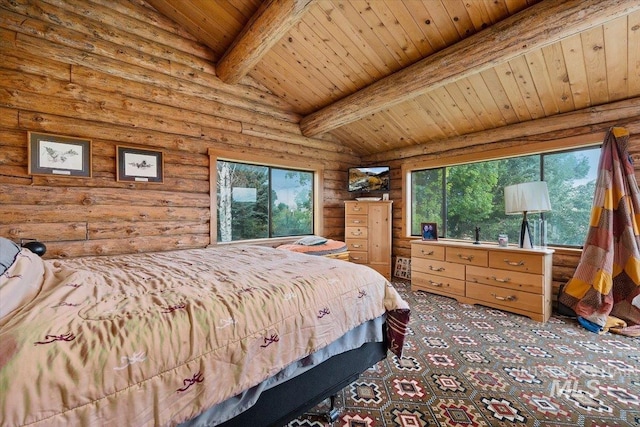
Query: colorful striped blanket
(605, 288)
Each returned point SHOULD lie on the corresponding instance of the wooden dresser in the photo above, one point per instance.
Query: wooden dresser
(368, 234)
(510, 279)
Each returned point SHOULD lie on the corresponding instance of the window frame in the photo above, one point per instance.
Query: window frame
(231, 156)
(513, 150)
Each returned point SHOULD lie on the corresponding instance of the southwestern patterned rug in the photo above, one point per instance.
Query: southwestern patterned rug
(470, 366)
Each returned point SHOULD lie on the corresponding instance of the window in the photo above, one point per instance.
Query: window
(462, 197)
(258, 201)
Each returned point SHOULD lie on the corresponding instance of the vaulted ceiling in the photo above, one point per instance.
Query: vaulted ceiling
(387, 75)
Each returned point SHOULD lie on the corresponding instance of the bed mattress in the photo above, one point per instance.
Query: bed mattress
(368, 332)
(154, 339)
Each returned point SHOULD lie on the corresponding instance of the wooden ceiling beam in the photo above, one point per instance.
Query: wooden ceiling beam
(268, 25)
(619, 111)
(533, 28)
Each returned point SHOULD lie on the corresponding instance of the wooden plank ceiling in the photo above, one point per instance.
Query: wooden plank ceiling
(383, 76)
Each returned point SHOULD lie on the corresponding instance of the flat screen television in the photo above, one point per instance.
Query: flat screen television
(369, 179)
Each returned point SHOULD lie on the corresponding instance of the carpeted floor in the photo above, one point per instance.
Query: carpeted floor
(474, 366)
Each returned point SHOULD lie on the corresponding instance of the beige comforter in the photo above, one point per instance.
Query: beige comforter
(153, 339)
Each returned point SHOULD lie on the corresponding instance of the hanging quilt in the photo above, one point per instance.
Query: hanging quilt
(604, 291)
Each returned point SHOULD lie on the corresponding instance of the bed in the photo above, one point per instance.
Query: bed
(195, 337)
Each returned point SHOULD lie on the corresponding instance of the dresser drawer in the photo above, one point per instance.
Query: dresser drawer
(427, 251)
(436, 284)
(467, 256)
(355, 208)
(507, 298)
(357, 245)
(356, 233)
(526, 282)
(506, 278)
(358, 257)
(516, 261)
(437, 268)
(356, 221)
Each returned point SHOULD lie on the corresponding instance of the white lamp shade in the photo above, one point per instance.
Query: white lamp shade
(530, 197)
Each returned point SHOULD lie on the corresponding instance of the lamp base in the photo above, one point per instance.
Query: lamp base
(525, 235)
(36, 247)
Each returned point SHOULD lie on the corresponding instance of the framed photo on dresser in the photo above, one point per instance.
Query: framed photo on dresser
(429, 231)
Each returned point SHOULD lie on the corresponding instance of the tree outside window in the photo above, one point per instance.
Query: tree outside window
(256, 201)
(462, 197)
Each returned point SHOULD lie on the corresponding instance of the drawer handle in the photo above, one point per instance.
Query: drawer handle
(507, 280)
(465, 257)
(357, 258)
(358, 233)
(507, 298)
(436, 269)
(356, 221)
(514, 263)
(357, 209)
(426, 253)
(356, 246)
(435, 284)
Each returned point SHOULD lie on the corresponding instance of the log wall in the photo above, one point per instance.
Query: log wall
(118, 73)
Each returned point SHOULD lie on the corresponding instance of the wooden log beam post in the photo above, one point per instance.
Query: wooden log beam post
(270, 23)
(533, 28)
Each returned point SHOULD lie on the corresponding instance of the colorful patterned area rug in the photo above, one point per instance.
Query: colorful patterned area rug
(473, 366)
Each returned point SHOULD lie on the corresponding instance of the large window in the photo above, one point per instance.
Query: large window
(257, 201)
(462, 197)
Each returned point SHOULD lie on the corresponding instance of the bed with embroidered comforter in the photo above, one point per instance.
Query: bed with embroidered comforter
(156, 339)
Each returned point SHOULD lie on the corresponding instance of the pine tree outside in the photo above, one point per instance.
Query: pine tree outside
(460, 198)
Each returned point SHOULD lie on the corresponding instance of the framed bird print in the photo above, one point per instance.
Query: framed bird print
(59, 155)
(139, 165)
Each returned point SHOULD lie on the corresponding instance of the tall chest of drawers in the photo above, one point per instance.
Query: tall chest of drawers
(368, 234)
(510, 279)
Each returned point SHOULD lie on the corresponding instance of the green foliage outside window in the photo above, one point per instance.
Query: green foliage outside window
(462, 197)
(292, 203)
(256, 201)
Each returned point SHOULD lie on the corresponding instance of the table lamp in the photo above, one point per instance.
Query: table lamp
(528, 197)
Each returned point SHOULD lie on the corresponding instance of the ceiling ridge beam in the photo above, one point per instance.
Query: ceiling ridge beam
(266, 27)
(533, 28)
